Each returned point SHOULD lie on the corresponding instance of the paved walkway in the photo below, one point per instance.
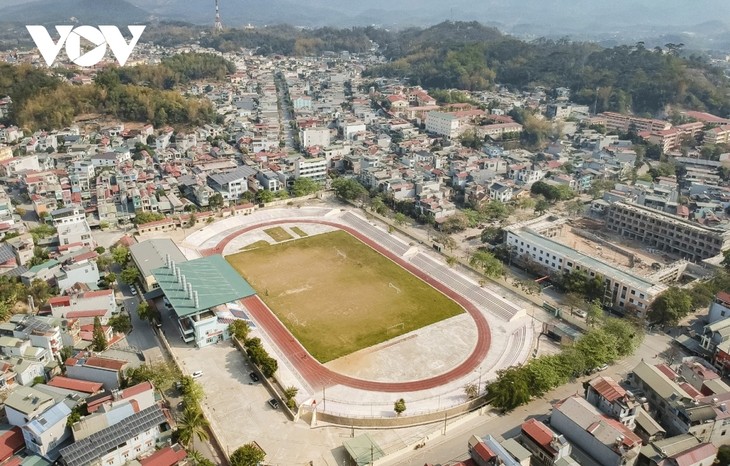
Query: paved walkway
(345, 393)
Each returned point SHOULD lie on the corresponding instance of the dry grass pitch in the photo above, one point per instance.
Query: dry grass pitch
(337, 295)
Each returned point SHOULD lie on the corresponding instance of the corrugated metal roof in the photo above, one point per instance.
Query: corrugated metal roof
(90, 449)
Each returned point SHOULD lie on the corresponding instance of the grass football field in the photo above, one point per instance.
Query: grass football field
(337, 295)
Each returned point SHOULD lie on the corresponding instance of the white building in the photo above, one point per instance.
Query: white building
(352, 128)
(314, 137)
(533, 242)
(233, 184)
(47, 431)
(315, 169)
(442, 124)
(75, 233)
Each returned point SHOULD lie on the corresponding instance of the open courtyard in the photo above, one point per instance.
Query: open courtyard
(336, 295)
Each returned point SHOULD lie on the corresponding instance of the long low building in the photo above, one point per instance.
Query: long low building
(625, 291)
(198, 292)
(666, 232)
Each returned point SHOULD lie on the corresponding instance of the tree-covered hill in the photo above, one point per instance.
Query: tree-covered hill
(139, 93)
(623, 78)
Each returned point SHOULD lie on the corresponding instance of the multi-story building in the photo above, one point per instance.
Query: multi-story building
(233, 184)
(315, 169)
(718, 135)
(683, 450)
(46, 432)
(86, 305)
(442, 124)
(606, 440)
(122, 442)
(536, 242)
(666, 232)
(95, 369)
(621, 122)
(547, 447)
(611, 398)
(196, 290)
(314, 137)
(152, 254)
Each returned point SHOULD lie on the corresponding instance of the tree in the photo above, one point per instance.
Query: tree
(290, 394)
(541, 206)
(348, 188)
(723, 455)
(144, 311)
(191, 220)
(198, 459)
(510, 389)
(192, 424)
(400, 219)
(304, 186)
(40, 290)
(162, 375)
(573, 300)
(670, 306)
(594, 312)
(111, 278)
(103, 262)
(140, 217)
(377, 205)
(215, 201)
(575, 208)
(239, 329)
(99, 341)
(628, 335)
(264, 196)
(447, 241)
(492, 235)
(399, 406)
(129, 275)
(598, 347)
(121, 323)
(247, 455)
(454, 223)
(487, 263)
(495, 210)
(471, 390)
(269, 366)
(20, 211)
(99, 250)
(120, 254)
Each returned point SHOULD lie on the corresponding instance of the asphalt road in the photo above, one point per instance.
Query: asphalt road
(453, 446)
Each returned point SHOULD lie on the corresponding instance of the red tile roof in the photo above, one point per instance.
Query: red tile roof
(96, 294)
(607, 388)
(104, 363)
(11, 441)
(666, 370)
(60, 301)
(483, 451)
(81, 314)
(698, 454)
(168, 456)
(538, 432)
(723, 296)
(73, 384)
(137, 389)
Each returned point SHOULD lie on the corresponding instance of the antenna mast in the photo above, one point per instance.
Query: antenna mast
(218, 26)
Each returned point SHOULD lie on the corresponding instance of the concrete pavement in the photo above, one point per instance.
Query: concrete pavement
(453, 446)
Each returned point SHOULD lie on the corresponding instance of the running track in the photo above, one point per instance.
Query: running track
(318, 375)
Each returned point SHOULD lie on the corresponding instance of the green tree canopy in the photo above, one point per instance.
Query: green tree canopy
(348, 188)
(671, 306)
(99, 341)
(247, 455)
(304, 186)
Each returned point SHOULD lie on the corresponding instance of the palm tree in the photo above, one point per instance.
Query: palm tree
(198, 459)
(193, 424)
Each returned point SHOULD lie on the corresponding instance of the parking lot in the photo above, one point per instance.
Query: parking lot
(238, 410)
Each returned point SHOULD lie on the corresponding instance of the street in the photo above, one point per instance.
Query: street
(453, 446)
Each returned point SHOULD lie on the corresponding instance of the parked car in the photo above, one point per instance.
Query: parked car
(580, 313)
(133, 290)
(254, 377)
(274, 403)
(197, 374)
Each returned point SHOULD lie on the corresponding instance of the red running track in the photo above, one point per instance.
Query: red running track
(318, 375)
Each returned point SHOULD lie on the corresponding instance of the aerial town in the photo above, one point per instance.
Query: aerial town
(341, 268)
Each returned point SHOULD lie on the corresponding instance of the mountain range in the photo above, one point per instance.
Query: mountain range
(618, 20)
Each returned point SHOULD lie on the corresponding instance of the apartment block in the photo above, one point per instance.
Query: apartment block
(315, 169)
(665, 232)
(540, 242)
(621, 122)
